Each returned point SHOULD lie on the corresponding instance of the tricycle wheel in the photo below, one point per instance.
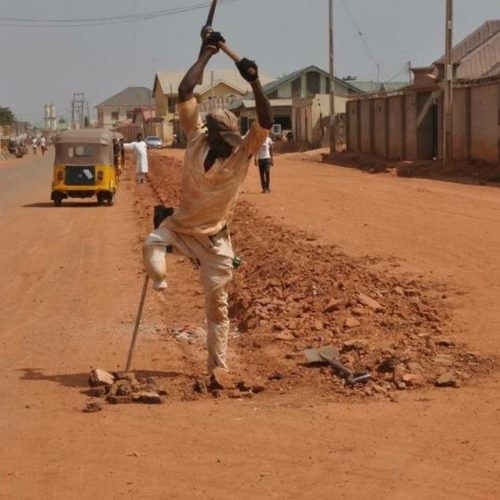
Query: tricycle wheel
(58, 198)
(111, 199)
(101, 198)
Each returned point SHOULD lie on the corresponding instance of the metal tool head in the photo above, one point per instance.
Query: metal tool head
(358, 378)
(321, 355)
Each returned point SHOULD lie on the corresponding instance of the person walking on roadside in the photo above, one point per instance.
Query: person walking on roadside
(140, 148)
(34, 145)
(216, 163)
(43, 145)
(265, 161)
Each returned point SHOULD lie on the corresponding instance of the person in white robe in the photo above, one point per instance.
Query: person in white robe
(140, 149)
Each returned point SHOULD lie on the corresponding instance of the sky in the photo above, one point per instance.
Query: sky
(42, 65)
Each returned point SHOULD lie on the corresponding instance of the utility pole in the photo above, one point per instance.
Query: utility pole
(78, 110)
(333, 135)
(448, 87)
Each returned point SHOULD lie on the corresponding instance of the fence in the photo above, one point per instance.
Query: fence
(407, 125)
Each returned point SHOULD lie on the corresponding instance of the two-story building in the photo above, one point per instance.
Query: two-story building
(220, 88)
(122, 106)
(300, 102)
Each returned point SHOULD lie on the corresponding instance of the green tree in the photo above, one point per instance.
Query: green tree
(6, 116)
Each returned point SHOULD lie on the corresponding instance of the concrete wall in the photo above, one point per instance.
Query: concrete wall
(460, 124)
(380, 127)
(411, 127)
(353, 117)
(366, 126)
(387, 126)
(485, 131)
(395, 128)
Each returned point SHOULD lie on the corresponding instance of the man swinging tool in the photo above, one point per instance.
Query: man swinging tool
(216, 162)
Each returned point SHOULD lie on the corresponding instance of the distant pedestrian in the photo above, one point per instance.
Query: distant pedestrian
(140, 148)
(34, 145)
(43, 145)
(265, 161)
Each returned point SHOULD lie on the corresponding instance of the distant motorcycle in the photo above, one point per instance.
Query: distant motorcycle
(17, 149)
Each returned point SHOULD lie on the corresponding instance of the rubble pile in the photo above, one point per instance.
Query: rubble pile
(292, 293)
(122, 388)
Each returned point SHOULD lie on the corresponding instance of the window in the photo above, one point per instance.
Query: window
(297, 87)
(115, 115)
(171, 104)
(130, 114)
(313, 83)
(80, 151)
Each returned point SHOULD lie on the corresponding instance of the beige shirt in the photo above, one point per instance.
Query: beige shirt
(208, 198)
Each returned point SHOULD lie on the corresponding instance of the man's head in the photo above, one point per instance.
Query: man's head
(140, 137)
(223, 132)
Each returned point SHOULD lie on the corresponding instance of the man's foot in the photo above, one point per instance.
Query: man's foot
(264, 191)
(159, 286)
(268, 190)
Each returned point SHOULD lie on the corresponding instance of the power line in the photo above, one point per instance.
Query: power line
(101, 21)
(360, 33)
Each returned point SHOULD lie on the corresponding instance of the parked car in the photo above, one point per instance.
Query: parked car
(153, 141)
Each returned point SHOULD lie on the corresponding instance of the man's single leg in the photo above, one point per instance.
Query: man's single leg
(216, 308)
(262, 170)
(154, 252)
(216, 274)
(268, 175)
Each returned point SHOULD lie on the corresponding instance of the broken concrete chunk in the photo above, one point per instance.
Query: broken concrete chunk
(240, 394)
(445, 342)
(333, 305)
(221, 379)
(413, 379)
(100, 377)
(358, 311)
(444, 360)
(447, 380)
(97, 392)
(130, 376)
(119, 400)
(369, 302)
(284, 336)
(148, 398)
(355, 344)
(351, 322)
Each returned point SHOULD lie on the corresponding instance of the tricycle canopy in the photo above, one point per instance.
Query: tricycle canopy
(85, 146)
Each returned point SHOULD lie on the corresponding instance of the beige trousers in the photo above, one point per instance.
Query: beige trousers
(215, 256)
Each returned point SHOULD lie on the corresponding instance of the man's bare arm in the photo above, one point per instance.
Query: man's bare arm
(263, 106)
(194, 73)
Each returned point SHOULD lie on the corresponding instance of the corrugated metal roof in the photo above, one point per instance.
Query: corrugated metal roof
(86, 136)
(170, 80)
(478, 53)
(371, 87)
(131, 96)
(250, 103)
(284, 80)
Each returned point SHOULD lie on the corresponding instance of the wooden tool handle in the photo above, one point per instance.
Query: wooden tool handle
(233, 55)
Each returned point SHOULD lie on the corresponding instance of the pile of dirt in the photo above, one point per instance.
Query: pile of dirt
(292, 293)
(469, 172)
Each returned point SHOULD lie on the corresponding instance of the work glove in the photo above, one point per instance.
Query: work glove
(212, 40)
(248, 69)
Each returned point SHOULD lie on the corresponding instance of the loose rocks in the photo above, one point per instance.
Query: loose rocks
(124, 388)
(100, 377)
